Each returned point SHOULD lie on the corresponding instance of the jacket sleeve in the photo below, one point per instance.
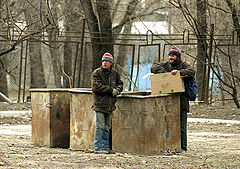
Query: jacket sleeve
(119, 84)
(158, 67)
(187, 70)
(98, 86)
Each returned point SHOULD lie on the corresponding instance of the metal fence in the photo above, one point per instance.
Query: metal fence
(68, 63)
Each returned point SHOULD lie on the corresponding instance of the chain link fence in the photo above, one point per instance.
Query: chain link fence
(58, 61)
(67, 63)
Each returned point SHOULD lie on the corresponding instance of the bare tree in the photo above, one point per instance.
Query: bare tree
(3, 78)
(226, 65)
(32, 29)
(201, 33)
(100, 25)
(71, 24)
(235, 17)
(54, 46)
(34, 13)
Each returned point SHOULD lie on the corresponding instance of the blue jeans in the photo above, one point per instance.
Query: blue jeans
(183, 119)
(103, 126)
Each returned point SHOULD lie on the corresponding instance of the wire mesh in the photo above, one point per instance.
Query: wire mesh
(66, 64)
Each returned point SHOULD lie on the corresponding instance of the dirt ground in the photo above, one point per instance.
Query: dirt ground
(210, 145)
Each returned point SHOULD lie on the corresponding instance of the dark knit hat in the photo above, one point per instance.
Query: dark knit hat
(175, 51)
(107, 57)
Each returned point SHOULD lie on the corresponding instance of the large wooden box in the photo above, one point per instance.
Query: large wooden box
(147, 124)
(141, 124)
(82, 122)
(50, 117)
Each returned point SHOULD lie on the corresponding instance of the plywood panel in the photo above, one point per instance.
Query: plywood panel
(141, 124)
(60, 119)
(82, 123)
(40, 118)
(147, 126)
(51, 117)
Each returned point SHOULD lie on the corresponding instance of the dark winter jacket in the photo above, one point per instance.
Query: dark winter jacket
(103, 82)
(184, 69)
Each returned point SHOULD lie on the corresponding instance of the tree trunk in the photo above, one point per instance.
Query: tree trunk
(55, 57)
(104, 26)
(3, 80)
(235, 20)
(69, 25)
(37, 72)
(67, 64)
(92, 23)
(235, 97)
(54, 48)
(201, 48)
(34, 22)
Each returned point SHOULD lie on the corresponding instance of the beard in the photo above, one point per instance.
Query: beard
(172, 60)
(175, 62)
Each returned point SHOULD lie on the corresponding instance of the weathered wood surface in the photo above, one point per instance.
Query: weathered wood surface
(82, 122)
(147, 125)
(141, 124)
(51, 118)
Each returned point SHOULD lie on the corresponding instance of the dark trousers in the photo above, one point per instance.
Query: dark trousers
(183, 119)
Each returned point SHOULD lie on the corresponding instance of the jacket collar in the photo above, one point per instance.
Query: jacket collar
(106, 70)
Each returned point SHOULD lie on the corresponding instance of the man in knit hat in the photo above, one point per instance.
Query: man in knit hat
(174, 65)
(106, 85)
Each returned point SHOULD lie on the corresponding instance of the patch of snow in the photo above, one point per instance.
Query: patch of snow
(211, 134)
(16, 130)
(15, 113)
(203, 120)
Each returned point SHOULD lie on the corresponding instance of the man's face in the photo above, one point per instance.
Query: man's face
(172, 58)
(106, 64)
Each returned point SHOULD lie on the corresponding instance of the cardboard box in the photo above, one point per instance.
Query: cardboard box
(166, 83)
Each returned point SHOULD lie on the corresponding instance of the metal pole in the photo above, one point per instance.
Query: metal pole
(163, 51)
(159, 52)
(20, 74)
(138, 62)
(75, 65)
(209, 64)
(211, 94)
(131, 75)
(85, 53)
(81, 54)
(25, 70)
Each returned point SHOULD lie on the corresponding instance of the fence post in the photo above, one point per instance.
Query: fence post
(209, 64)
(20, 74)
(81, 52)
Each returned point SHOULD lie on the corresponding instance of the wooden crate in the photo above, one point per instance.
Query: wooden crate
(51, 117)
(144, 124)
(82, 122)
(147, 124)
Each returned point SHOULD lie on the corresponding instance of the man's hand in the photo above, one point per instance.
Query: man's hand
(174, 72)
(115, 92)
